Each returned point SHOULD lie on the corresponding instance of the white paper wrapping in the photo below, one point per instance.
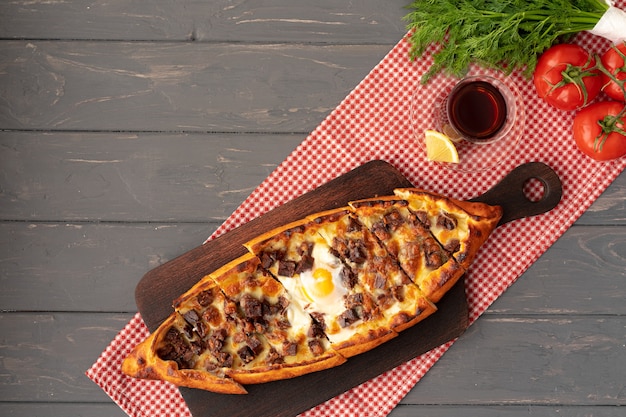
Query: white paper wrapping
(612, 25)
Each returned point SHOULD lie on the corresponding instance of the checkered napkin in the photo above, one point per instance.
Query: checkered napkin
(374, 122)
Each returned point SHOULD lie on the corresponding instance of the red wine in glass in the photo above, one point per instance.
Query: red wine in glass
(477, 110)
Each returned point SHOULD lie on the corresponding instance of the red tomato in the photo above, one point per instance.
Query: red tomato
(598, 133)
(614, 61)
(566, 77)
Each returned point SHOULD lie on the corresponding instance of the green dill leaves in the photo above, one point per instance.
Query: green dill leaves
(501, 34)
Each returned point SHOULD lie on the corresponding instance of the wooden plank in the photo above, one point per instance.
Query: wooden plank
(161, 86)
(109, 176)
(87, 267)
(29, 409)
(47, 354)
(610, 207)
(368, 21)
(77, 237)
(582, 273)
(521, 360)
(133, 176)
(535, 410)
(96, 266)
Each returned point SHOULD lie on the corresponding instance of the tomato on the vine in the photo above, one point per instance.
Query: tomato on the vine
(600, 130)
(566, 77)
(614, 61)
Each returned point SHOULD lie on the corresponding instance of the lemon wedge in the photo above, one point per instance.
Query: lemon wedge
(439, 147)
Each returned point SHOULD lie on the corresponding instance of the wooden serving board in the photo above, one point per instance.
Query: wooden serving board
(157, 289)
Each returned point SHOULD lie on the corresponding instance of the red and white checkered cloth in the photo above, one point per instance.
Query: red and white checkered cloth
(373, 122)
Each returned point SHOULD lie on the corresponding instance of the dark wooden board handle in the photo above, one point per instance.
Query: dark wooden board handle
(509, 192)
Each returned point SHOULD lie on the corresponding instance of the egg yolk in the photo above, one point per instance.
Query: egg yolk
(322, 285)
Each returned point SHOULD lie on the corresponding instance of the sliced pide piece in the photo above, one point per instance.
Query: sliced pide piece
(460, 226)
(399, 300)
(410, 243)
(190, 355)
(281, 340)
(316, 278)
(220, 338)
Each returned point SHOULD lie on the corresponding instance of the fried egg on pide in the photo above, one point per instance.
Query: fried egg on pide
(322, 283)
(320, 290)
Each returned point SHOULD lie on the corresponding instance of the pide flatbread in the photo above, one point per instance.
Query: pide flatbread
(311, 294)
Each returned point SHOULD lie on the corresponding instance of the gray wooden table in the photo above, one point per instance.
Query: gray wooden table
(130, 130)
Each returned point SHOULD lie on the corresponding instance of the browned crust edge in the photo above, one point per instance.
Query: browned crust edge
(144, 363)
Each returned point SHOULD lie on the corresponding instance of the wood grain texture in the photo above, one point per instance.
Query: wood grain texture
(610, 208)
(191, 86)
(145, 176)
(583, 273)
(525, 410)
(46, 358)
(543, 360)
(130, 130)
(86, 267)
(25, 409)
(369, 21)
(508, 192)
(127, 177)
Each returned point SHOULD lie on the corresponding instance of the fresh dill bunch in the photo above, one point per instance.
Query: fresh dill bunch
(501, 34)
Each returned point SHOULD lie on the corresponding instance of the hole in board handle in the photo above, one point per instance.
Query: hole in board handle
(510, 195)
(534, 189)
